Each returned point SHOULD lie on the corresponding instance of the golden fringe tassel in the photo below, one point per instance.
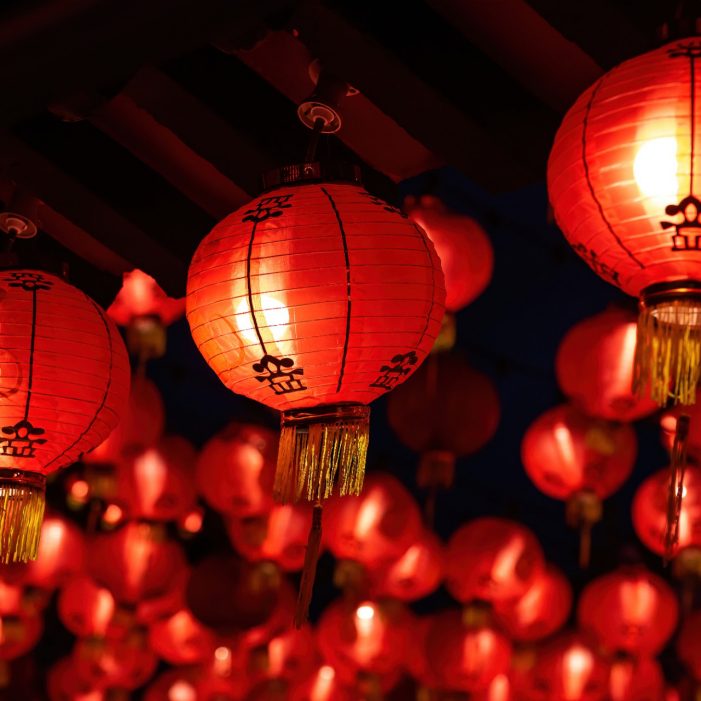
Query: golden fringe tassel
(320, 448)
(668, 351)
(677, 471)
(21, 514)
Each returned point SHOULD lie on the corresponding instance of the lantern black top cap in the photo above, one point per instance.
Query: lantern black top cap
(316, 172)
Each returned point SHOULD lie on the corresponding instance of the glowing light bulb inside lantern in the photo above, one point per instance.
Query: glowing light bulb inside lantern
(369, 631)
(506, 560)
(151, 472)
(222, 661)
(578, 664)
(499, 689)
(621, 679)
(270, 324)
(565, 448)
(371, 508)
(655, 170)
(323, 684)
(637, 600)
(182, 691)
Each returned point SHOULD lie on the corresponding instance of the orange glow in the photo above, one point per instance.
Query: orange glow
(499, 689)
(577, 665)
(150, 473)
(80, 490)
(182, 691)
(323, 685)
(621, 679)
(507, 558)
(113, 515)
(638, 601)
(192, 523)
(365, 612)
(142, 296)
(371, 509)
(222, 661)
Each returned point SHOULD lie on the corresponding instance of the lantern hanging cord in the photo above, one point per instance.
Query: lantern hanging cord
(313, 144)
(676, 485)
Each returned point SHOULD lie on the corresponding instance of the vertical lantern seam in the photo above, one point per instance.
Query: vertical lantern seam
(429, 316)
(597, 202)
(249, 290)
(348, 287)
(692, 77)
(32, 343)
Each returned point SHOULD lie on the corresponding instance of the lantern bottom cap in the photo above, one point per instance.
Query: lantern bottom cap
(668, 348)
(322, 450)
(22, 503)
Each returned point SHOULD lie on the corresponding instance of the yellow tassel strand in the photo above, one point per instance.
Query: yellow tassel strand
(21, 514)
(320, 449)
(668, 351)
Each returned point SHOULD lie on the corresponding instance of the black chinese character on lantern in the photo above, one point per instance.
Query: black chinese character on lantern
(690, 49)
(399, 367)
(28, 281)
(603, 269)
(278, 373)
(387, 207)
(268, 207)
(687, 226)
(20, 440)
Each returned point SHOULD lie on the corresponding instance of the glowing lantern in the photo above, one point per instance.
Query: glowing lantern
(315, 299)
(180, 639)
(621, 178)
(668, 424)
(290, 656)
(167, 603)
(236, 470)
(463, 656)
(145, 310)
(158, 484)
(540, 611)
(19, 634)
(86, 608)
(135, 562)
(594, 366)
(579, 459)
(64, 377)
(689, 644)
(492, 559)
(279, 536)
(447, 410)
(64, 685)
(415, 574)
(178, 684)
(568, 668)
(629, 610)
(322, 685)
(636, 679)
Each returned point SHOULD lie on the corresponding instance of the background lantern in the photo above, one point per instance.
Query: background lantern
(64, 384)
(621, 181)
(86, 608)
(689, 644)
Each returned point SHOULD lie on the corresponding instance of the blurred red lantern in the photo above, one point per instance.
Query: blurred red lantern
(315, 299)
(416, 659)
(636, 679)
(65, 379)
(280, 536)
(668, 424)
(141, 426)
(466, 656)
(322, 685)
(446, 411)
(290, 656)
(367, 639)
(86, 608)
(64, 685)
(236, 470)
(167, 603)
(630, 610)
(650, 511)
(492, 559)
(462, 245)
(579, 459)
(689, 644)
(224, 677)
(19, 633)
(594, 366)
(135, 562)
(376, 527)
(13, 599)
(158, 484)
(621, 181)
(568, 668)
(179, 684)
(181, 639)
(417, 573)
(540, 611)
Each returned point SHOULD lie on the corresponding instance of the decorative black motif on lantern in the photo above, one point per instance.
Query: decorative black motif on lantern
(603, 269)
(689, 49)
(28, 281)
(387, 207)
(399, 367)
(267, 208)
(687, 225)
(279, 374)
(21, 440)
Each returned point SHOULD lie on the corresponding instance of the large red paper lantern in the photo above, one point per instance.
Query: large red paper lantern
(594, 366)
(622, 178)
(447, 410)
(630, 610)
(65, 381)
(492, 559)
(315, 299)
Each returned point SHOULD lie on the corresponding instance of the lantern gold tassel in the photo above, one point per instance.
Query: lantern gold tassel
(668, 349)
(311, 558)
(675, 493)
(320, 448)
(22, 504)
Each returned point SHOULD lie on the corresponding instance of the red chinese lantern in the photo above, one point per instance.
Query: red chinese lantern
(668, 424)
(179, 684)
(279, 536)
(689, 644)
(135, 562)
(578, 459)
(492, 559)
(65, 381)
(594, 366)
(19, 634)
(630, 610)
(376, 527)
(64, 685)
(315, 299)
(621, 178)
(446, 411)
(650, 511)
(636, 679)
(417, 573)
(158, 484)
(181, 639)
(145, 310)
(568, 668)
(236, 469)
(86, 608)
(322, 685)
(540, 611)
(466, 656)
(462, 245)
(290, 656)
